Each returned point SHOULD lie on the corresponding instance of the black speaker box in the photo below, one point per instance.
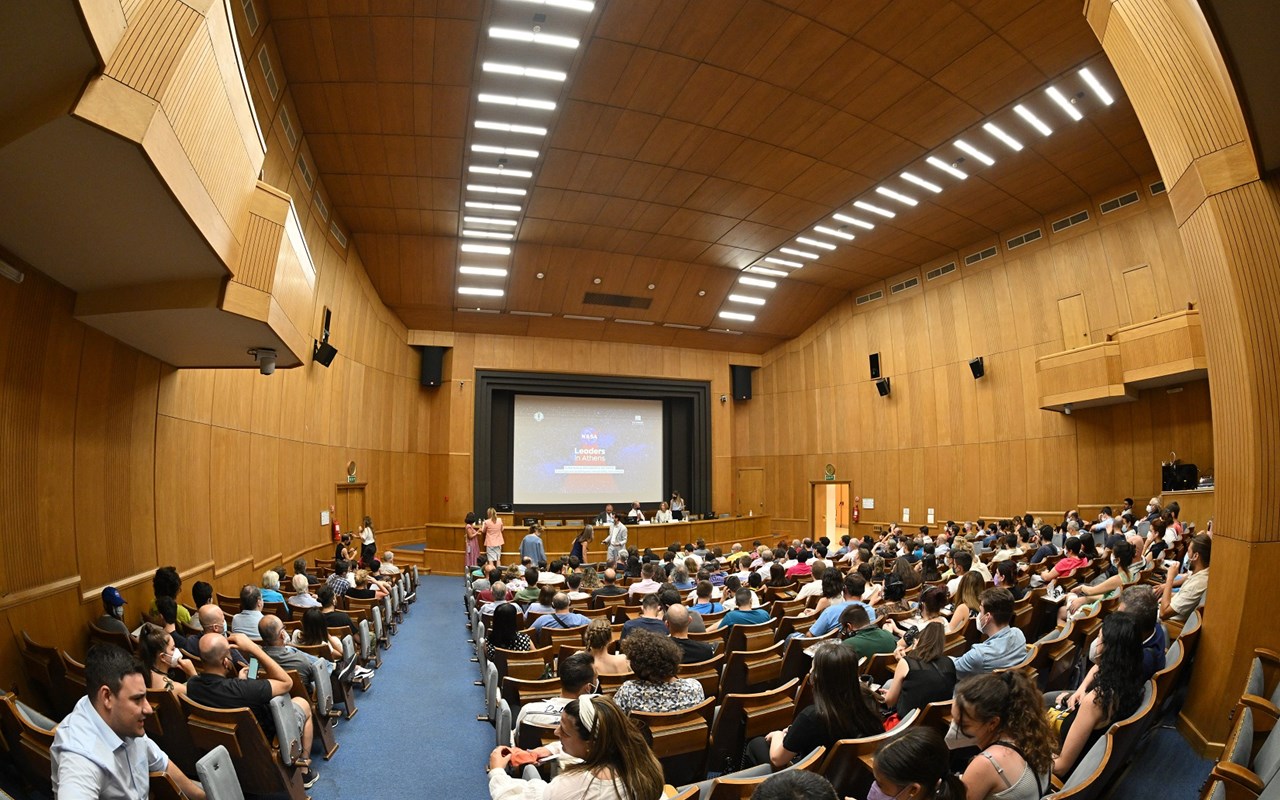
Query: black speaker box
(324, 354)
(977, 367)
(1179, 477)
(875, 365)
(882, 386)
(432, 365)
(740, 377)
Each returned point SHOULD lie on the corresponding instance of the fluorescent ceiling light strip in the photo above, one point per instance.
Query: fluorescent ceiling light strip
(746, 298)
(892, 195)
(815, 243)
(999, 133)
(759, 270)
(791, 251)
(487, 235)
(480, 311)
(505, 127)
(853, 221)
(1031, 119)
(491, 206)
(725, 330)
(865, 206)
(572, 5)
(737, 316)
(519, 102)
(824, 230)
(938, 163)
(681, 326)
(961, 144)
(529, 313)
(503, 171)
(480, 291)
(921, 182)
(536, 38)
(584, 317)
(1097, 86)
(783, 262)
(504, 151)
(633, 322)
(490, 249)
(524, 72)
(511, 223)
(1063, 103)
(747, 280)
(485, 188)
(490, 272)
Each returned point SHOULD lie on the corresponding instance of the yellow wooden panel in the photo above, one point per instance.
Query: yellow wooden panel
(1075, 321)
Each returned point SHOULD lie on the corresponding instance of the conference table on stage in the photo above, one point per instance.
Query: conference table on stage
(444, 541)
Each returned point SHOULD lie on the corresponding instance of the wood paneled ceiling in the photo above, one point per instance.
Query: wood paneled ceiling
(691, 139)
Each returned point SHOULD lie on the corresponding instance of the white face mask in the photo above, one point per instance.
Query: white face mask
(956, 738)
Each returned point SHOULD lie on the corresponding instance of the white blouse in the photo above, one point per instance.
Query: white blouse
(576, 785)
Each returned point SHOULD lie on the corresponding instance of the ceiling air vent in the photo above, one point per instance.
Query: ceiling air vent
(909, 283)
(290, 132)
(945, 269)
(1071, 221)
(269, 73)
(251, 16)
(974, 258)
(1026, 238)
(322, 208)
(1117, 203)
(305, 169)
(337, 234)
(1156, 188)
(616, 300)
(869, 298)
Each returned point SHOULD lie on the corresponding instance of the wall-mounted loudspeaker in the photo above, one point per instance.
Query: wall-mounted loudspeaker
(977, 368)
(882, 386)
(432, 365)
(740, 378)
(875, 365)
(324, 353)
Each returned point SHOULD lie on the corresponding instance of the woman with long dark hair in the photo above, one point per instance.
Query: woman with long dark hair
(1122, 557)
(1004, 714)
(615, 761)
(1114, 692)
(914, 766)
(315, 630)
(581, 541)
(923, 675)
(472, 540)
(843, 708)
(905, 571)
(505, 633)
(163, 661)
(929, 569)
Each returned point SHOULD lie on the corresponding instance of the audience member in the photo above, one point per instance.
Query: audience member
(577, 677)
(655, 660)
(853, 587)
(101, 748)
(1177, 605)
(163, 661)
(914, 766)
(246, 622)
(678, 625)
(1003, 647)
(560, 616)
(1140, 602)
(274, 640)
(201, 593)
(505, 632)
(337, 583)
(112, 618)
(302, 598)
(650, 618)
(923, 674)
(315, 631)
(743, 611)
(611, 587)
(271, 587)
(862, 635)
(646, 584)
(1122, 557)
(167, 583)
(795, 784)
(1002, 714)
(596, 639)
(334, 618)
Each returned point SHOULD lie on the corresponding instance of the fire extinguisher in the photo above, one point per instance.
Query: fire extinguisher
(856, 511)
(335, 528)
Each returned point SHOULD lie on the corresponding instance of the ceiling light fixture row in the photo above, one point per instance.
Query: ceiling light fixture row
(941, 161)
(524, 65)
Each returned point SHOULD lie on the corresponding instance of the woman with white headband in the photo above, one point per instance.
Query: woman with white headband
(615, 761)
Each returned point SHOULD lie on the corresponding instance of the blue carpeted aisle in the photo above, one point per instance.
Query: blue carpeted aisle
(416, 734)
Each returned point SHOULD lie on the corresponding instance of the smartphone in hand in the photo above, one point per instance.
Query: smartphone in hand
(253, 668)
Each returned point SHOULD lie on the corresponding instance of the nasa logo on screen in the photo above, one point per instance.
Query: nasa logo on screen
(537, 416)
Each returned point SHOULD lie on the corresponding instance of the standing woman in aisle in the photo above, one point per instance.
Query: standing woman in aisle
(472, 541)
(368, 548)
(493, 541)
(579, 548)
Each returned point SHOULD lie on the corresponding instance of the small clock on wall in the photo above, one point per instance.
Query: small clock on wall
(830, 472)
(351, 472)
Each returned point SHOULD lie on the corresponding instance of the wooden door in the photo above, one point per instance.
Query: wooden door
(1075, 322)
(750, 491)
(350, 506)
(1140, 289)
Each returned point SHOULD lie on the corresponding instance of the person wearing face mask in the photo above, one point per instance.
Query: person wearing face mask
(112, 618)
(614, 762)
(1178, 605)
(1002, 714)
(1003, 647)
(914, 766)
(163, 660)
(1122, 556)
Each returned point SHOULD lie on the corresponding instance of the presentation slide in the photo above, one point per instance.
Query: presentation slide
(589, 450)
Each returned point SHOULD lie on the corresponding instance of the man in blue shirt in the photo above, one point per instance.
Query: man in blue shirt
(744, 614)
(561, 616)
(829, 620)
(101, 749)
(1004, 646)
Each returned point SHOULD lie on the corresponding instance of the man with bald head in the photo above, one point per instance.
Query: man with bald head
(220, 684)
(678, 626)
(611, 587)
(274, 644)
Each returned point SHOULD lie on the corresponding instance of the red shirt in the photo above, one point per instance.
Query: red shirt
(1068, 563)
(800, 569)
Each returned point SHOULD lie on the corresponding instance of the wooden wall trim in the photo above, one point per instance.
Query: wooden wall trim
(270, 561)
(40, 592)
(218, 572)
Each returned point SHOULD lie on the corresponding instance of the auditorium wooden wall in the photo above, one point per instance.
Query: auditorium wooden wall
(963, 447)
